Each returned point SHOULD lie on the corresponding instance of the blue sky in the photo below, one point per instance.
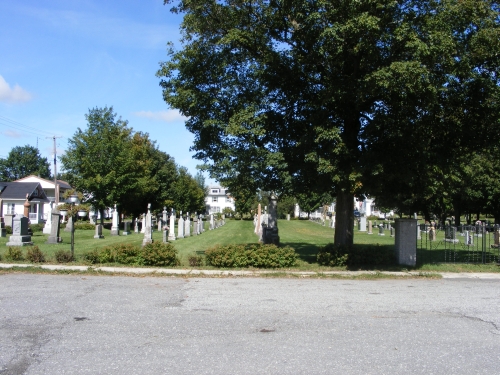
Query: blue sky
(59, 58)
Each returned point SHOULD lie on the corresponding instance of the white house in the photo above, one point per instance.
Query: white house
(217, 199)
(48, 187)
(13, 196)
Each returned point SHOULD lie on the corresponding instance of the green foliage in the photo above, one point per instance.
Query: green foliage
(8, 229)
(83, 225)
(14, 253)
(35, 255)
(159, 254)
(186, 193)
(37, 227)
(252, 255)
(195, 260)
(127, 254)
(342, 97)
(341, 255)
(63, 256)
(23, 161)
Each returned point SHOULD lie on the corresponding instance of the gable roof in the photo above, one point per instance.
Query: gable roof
(33, 178)
(18, 191)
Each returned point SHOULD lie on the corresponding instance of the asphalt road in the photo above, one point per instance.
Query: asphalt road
(74, 324)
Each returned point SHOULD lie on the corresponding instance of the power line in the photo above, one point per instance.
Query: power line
(24, 128)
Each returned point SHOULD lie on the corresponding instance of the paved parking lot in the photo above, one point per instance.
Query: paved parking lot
(81, 324)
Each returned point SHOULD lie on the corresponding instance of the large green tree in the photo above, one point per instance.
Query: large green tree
(320, 96)
(23, 161)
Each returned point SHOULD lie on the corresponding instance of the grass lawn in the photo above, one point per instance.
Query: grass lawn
(304, 236)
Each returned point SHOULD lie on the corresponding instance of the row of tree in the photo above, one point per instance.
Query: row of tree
(109, 163)
(390, 98)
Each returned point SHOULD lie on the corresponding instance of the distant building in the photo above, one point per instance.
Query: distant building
(13, 195)
(217, 199)
(49, 189)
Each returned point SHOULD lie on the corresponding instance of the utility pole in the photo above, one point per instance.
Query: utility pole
(56, 185)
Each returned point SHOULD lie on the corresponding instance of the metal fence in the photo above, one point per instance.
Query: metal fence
(475, 244)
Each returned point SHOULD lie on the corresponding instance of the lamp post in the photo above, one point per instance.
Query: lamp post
(72, 199)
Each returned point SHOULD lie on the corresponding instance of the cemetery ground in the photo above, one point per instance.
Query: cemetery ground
(306, 237)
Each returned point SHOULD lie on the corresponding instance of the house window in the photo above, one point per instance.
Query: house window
(215, 191)
(214, 199)
(228, 200)
(12, 209)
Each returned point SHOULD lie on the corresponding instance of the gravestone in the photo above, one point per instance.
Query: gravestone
(496, 238)
(69, 224)
(92, 217)
(143, 227)
(20, 236)
(362, 224)
(258, 226)
(469, 238)
(432, 234)
(148, 234)
(160, 223)
(200, 224)
(98, 232)
(171, 232)
(115, 229)
(187, 226)
(48, 224)
(450, 234)
(195, 225)
(136, 227)
(392, 231)
(55, 225)
(8, 219)
(419, 235)
(288, 217)
(333, 221)
(212, 223)
(165, 230)
(370, 228)
(180, 227)
(271, 233)
(406, 241)
(381, 230)
(126, 228)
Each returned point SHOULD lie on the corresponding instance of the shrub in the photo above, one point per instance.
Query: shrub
(92, 256)
(83, 225)
(252, 255)
(127, 253)
(35, 255)
(36, 227)
(195, 261)
(14, 253)
(372, 255)
(107, 255)
(8, 229)
(63, 256)
(159, 254)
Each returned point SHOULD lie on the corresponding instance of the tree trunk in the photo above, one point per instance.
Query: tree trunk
(344, 219)
(101, 210)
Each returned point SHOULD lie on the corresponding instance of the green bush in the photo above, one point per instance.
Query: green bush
(35, 255)
(367, 255)
(83, 225)
(252, 255)
(159, 254)
(63, 256)
(195, 261)
(14, 253)
(8, 229)
(127, 253)
(36, 227)
(92, 256)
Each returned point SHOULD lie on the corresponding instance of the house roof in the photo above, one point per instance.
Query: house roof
(18, 191)
(43, 181)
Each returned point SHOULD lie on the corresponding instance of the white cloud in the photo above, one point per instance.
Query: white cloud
(167, 116)
(12, 95)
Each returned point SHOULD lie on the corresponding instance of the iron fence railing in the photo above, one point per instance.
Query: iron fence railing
(476, 244)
